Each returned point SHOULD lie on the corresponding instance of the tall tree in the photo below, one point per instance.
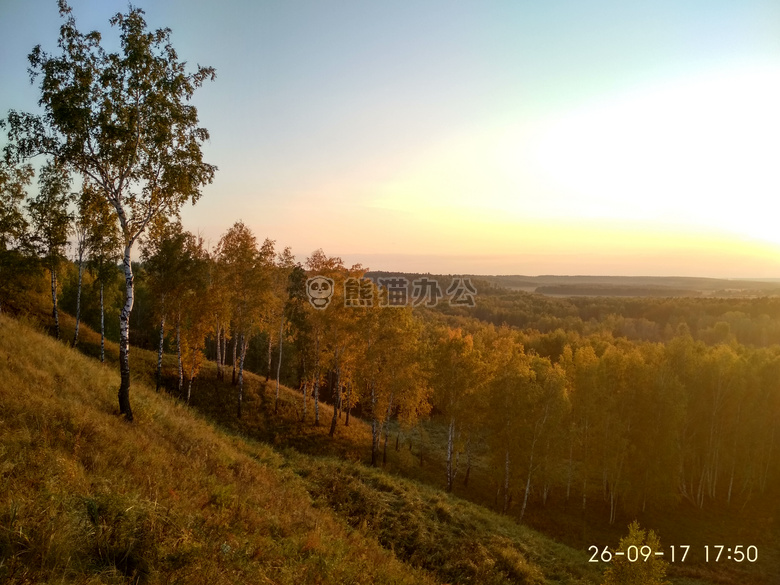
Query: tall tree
(319, 264)
(195, 312)
(166, 264)
(104, 242)
(84, 225)
(285, 265)
(247, 278)
(123, 120)
(14, 251)
(51, 218)
(454, 373)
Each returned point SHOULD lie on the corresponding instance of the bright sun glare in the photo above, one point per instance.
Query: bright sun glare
(700, 153)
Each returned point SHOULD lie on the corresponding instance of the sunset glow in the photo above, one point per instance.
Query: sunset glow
(598, 139)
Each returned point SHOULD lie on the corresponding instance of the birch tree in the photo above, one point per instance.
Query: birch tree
(318, 264)
(454, 374)
(166, 264)
(285, 264)
(195, 313)
(90, 225)
(51, 218)
(247, 277)
(104, 242)
(123, 120)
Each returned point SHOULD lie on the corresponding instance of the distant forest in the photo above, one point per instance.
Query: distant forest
(623, 403)
(618, 404)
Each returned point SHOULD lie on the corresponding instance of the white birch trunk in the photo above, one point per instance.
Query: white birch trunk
(219, 347)
(336, 400)
(160, 347)
(78, 299)
(450, 449)
(178, 351)
(235, 353)
(124, 336)
(54, 312)
(527, 484)
(317, 382)
(349, 396)
(244, 347)
(270, 345)
(279, 364)
(305, 400)
(374, 426)
(102, 327)
(189, 384)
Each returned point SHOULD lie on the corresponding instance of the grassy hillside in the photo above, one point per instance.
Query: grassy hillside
(87, 498)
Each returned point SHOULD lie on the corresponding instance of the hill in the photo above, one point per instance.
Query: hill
(87, 498)
(637, 286)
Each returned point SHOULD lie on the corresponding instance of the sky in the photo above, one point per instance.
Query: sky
(559, 137)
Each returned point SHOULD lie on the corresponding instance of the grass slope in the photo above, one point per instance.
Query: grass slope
(437, 536)
(87, 498)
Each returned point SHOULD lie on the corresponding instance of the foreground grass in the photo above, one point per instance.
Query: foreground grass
(457, 540)
(436, 535)
(87, 498)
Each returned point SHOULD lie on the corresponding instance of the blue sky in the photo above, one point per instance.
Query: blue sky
(494, 137)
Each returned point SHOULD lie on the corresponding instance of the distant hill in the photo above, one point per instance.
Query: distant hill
(652, 286)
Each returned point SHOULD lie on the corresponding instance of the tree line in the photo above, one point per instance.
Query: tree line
(571, 408)
(597, 419)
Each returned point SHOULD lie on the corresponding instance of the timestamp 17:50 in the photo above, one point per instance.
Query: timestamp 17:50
(712, 553)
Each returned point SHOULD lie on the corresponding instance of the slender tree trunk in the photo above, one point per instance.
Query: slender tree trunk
(584, 493)
(102, 327)
(160, 346)
(450, 450)
(316, 396)
(374, 426)
(268, 371)
(279, 365)
(349, 395)
(571, 468)
(336, 401)
(385, 427)
(527, 484)
(189, 384)
(235, 353)
(305, 400)
(468, 462)
(586, 464)
(384, 447)
(78, 299)
(316, 393)
(124, 337)
(422, 445)
(219, 348)
(54, 312)
(612, 506)
(224, 354)
(178, 351)
(374, 441)
(244, 347)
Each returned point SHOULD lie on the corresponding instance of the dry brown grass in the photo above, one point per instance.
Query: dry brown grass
(87, 498)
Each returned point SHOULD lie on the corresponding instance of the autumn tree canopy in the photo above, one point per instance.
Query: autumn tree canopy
(123, 121)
